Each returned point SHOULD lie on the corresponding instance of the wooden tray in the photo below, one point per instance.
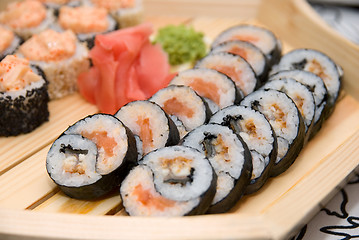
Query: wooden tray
(32, 207)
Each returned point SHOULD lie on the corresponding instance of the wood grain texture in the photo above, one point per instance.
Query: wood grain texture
(275, 212)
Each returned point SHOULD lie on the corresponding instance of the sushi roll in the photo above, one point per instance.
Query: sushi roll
(92, 157)
(9, 42)
(261, 37)
(57, 4)
(184, 103)
(302, 97)
(231, 161)
(150, 123)
(60, 57)
(320, 93)
(127, 13)
(20, 17)
(234, 67)
(23, 97)
(286, 120)
(86, 22)
(252, 54)
(318, 63)
(258, 134)
(214, 87)
(171, 181)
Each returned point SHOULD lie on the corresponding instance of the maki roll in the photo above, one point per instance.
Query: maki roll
(92, 156)
(127, 13)
(252, 54)
(231, 161)
(261, 37)
(301, 96)
(214, 87)
(258, 134)
(86, 22)
(21, 18)
(60, 57)
(316, 85)
(234, 67)
(286, 120)
(318, 63)
(184, 103)
(152, 126)
(9, 42)
(23, 97)
(171, 181)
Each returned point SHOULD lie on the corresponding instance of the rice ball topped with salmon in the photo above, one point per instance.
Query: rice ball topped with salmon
(23, 97)
(20, 17)
(86, 22)
(60, 57)
(9, 42)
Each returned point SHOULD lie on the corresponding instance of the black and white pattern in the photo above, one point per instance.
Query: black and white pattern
(339, 219)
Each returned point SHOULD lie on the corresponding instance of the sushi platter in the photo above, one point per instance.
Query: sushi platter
(32, 206)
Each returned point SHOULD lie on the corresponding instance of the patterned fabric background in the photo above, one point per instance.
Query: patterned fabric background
(339, 219)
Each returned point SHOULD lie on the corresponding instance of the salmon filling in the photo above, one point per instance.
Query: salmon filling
(6, 39)
(145, 134)
(102, 141)
(21, 14)
(206, 89)
(83, 19)
(148, 199)
(316, 68)
(239, 51)
(174, 107)
(15, 74)
(49, 46)
(232, 73)
(114, 4)
(246, 38)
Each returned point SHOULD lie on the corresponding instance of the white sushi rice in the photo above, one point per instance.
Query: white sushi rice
(158, 122)
(225, 87)
(71, 170)
(299, 93)
(315, 62)
(113, 129)
(228, 156)
(279, 110)
(149, 202)
(314, 83)
(255, 131)
(243, 76)
(62, 75)
(253, 55)
(180, 173)
(225, 184)
(186, 97)
(22, 92)
(261, 37)
(262, 139)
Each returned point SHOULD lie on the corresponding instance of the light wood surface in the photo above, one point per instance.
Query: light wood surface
(31, 206)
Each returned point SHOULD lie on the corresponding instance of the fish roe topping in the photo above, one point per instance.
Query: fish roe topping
(7, 36)
(16, 74)
(49, 46)
(83, 19)
(20, 15)
(114, 4)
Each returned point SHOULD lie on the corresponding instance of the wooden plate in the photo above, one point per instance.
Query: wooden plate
(32, 207)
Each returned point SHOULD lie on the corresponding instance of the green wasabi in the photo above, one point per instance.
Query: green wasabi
(183, 44)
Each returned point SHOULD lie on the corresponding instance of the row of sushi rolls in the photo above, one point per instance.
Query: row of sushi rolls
(218, 131)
